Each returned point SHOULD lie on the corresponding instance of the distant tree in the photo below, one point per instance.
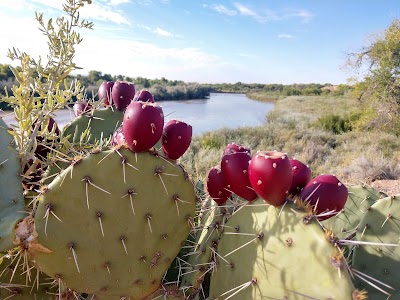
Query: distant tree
(376, 70)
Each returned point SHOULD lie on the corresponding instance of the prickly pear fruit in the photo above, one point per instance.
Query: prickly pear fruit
(326, 194)
(261, 254)
(144, 95)
(359, 200)
(216, 187)
(51, 126)
(105, 92)
(122, 94)
(234, 171)
(234, 147)
(379, 258)
(176, 138)
(301, 176)
(118, 138)
(270, 176)
(81, 107)
(149, 199)
(99, 124)
(12, 204)
(142, 125)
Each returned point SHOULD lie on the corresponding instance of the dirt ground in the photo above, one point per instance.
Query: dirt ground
(389, 187)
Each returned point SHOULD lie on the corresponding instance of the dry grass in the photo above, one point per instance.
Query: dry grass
(353, 156)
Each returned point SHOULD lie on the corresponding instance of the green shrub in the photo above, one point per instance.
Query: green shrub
(335, 123)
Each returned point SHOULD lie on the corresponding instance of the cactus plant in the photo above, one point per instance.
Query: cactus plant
(96, 125)
(119, 198)
(12, 204)
(378, 258)
(270, 253)
(359, 200)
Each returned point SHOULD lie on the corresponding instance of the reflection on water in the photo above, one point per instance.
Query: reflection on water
(219, 111)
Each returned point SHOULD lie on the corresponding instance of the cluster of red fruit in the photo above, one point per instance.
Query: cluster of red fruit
(143, 122)
(274, 177)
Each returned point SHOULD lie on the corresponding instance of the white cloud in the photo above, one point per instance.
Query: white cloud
(163, 32)
(118, 2)
(13, 4)
(286, 36)
(103, 13)
(244, 10)
(303, 14)
(224, 10)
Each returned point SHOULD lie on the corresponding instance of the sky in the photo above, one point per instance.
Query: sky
(209, 41)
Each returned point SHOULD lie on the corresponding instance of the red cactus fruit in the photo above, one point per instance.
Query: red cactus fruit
(144, 95)
(105, 91)
(122, 94)
(301, 176)
(176, 138)
(234, 147)
(326, 194)
(142, 125)
(81, 107)
(234, 171)
(270, 176)
(118, 138)
(216, 186)
(42, 151)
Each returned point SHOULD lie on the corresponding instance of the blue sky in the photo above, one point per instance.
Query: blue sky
(259, 41)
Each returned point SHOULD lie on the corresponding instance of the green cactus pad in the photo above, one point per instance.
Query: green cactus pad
(381, 224)
(16, 285)
(359, 200)
(99, 124)
(12, 203)
(200, 262)
(270, 253)
(109, 236)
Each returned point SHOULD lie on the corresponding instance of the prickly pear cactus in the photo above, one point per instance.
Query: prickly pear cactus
(270, 253)
(359, 200)
(112, 224)
(201, 261)
(380, 225)
(12, 204)
(17, 282)
(96, 125)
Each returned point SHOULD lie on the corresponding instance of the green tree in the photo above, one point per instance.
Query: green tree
(377, 79)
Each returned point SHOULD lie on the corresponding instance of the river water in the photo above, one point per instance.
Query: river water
(220, 110)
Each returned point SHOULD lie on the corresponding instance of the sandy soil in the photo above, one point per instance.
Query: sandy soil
(389, 187)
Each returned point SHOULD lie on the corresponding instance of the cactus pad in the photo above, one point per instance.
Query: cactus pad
(359, 200)
(12, 204)
(100, 124)
(112, 224)
(381, 225)
(270, 253)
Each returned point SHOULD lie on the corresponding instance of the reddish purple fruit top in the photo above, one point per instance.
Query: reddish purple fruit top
(234, 147)
(142, 125)
(42, 151)
(326, 194)
(216, 186)
(234, 171)
(122, 93)
(270, 175)
(144, 95)
(176, 138)
(81, 107)
(105, 91)
(301, 176)
(118, 138)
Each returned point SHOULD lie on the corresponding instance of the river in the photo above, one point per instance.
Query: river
(218, 111)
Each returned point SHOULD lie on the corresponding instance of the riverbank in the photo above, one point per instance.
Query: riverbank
(293, 127)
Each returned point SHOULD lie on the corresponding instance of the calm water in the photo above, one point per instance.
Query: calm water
(219, 111)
